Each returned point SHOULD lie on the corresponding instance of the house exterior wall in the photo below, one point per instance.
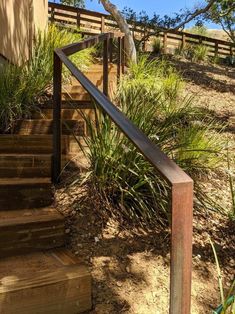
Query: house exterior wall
(19, 21)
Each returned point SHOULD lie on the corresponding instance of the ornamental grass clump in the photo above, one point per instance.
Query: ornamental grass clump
(22, 86)
(150, 95)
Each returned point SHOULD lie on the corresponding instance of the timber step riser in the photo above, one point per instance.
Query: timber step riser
(32, 237)
(24, 196)
(31, 167)
(30, 230)
(51, 282)
(36, 144)
(43, 126)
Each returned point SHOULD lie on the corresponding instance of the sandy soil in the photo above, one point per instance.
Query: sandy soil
(129, 265)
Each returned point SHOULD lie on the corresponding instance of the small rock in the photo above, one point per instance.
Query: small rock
(119, 284)
(67, 230)
(76, 253)
(97, 239)
(128, 269)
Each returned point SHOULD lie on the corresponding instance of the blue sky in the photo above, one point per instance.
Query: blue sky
(161, 7)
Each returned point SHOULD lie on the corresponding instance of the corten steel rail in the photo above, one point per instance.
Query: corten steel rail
(91, 22)
(181, 184)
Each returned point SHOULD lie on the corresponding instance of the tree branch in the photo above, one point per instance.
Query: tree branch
(188, 19)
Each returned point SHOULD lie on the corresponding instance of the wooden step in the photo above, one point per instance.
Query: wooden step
(29, 230)
(53, 282)
(31, 165)
(24, 193)
(36, 144)
(45, 126)
(66, 114)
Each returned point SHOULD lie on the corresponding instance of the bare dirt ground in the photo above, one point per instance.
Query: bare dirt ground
(130, 265)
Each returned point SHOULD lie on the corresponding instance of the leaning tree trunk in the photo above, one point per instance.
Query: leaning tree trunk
(124, 27)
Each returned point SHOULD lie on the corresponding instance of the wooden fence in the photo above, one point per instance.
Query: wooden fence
(94, 23)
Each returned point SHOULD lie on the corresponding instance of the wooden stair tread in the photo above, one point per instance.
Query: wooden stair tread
(50, 282)
(24, 181)
(25, 216)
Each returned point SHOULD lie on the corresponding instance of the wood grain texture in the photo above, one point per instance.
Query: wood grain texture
(24, 193)
(51, 283)
(30, 230)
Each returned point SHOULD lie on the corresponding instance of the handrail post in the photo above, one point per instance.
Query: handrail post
(56, 158)
(123, 54)
(181, 248)
(119, 58)
(111, 50)
(106, 66)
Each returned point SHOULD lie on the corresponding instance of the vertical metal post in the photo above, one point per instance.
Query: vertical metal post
(111, 50)
(56, 158)
(181, 248)
(106, 67)
(123, 61)
(119, 58)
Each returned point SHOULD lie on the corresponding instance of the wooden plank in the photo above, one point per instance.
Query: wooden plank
(24, 193)
(41, 283)
(30, 230)
(45, 126)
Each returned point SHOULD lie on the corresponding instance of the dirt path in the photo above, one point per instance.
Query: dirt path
(130, 266)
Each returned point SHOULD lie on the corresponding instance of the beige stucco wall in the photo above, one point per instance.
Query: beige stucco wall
(19, 21)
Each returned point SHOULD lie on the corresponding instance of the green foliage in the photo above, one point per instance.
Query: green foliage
(74, 3)
(199, 53)
(150, 95)
(231, 176)
(227, 302)
(198, 30)
(157, 45)
(21, 87)
(222, 13)
(193, 52)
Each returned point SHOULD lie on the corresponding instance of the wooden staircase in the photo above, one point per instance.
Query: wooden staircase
(37, 274)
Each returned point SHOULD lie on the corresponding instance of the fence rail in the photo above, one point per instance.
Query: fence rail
(181, 185)
(94, 23)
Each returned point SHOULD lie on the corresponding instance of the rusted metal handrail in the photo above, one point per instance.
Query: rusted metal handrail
(181, 184)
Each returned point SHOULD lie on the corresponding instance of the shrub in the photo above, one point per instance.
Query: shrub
(200, 53)
(21, 87)
(198, 30)
(157, 45)
(118, 172)
(194, 52)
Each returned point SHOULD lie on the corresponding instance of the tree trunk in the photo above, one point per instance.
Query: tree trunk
(124, 27)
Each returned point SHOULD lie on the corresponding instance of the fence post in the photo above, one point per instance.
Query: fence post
(165, 43)
(78, 20)
(106, 67)
(52, 14)
(216, 48)
(102, 24)
(183, 40)
(56, 158)
(181, 248)
(231, 50)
